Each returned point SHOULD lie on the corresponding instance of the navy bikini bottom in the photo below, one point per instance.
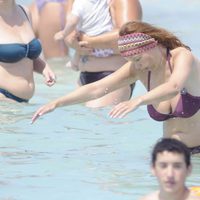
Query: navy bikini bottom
(90, 77)
(194, 150)
(11, 96)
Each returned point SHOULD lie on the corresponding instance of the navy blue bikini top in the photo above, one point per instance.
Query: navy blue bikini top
(11, 53)
(14, 52)
(186, 107)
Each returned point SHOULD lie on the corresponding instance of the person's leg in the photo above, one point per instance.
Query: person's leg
(52, 20)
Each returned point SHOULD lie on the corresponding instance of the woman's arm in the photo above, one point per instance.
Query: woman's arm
(124, 76)
(103, 41)
(42, 67)
(70, 26)
(183, 63)
(179, 77)
(69, 7)
(38, 65)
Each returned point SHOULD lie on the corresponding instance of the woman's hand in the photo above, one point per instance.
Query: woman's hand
(49, 75)
(42, 67)
(84, 37)
(43, 110)
(123, 108)
(59, 36)
(82, 47)
(72, 40)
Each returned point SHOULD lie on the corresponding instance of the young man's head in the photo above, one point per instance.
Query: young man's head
(171, 164)
(173, 146)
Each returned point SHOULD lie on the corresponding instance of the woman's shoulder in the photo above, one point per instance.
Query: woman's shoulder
(181, 53)
(134, 3)
(127, 2)
(181, 50)
(182, 58)
(129, 9)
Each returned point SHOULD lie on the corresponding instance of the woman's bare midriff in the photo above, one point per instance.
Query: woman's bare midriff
(185, 129)
(94, 64)
(20, 83)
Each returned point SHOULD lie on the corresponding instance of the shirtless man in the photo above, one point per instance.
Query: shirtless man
(171, 165)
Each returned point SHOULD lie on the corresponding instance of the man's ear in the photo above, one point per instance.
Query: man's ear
(153, 170)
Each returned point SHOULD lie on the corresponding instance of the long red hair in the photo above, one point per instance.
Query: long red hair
(164, 37)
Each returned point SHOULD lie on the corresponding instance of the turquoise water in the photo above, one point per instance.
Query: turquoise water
(80, 153)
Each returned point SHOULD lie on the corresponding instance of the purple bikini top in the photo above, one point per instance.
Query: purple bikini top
(186, 107)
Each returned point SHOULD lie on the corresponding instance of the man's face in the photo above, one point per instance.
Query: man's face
(171, 171)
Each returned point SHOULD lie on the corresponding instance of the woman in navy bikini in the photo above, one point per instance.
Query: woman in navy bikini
(19, 54)
(168, 70)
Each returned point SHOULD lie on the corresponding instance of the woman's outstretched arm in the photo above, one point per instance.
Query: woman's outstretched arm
(124, 76)
(166, 91)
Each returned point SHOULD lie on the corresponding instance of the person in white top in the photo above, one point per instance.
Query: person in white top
(91, 17)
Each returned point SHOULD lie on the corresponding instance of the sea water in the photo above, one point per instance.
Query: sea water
(78, 153)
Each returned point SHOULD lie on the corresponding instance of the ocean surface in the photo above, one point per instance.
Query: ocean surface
(78, 153)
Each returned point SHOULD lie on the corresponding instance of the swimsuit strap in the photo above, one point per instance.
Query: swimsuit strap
(24, 12)
(149, 78)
